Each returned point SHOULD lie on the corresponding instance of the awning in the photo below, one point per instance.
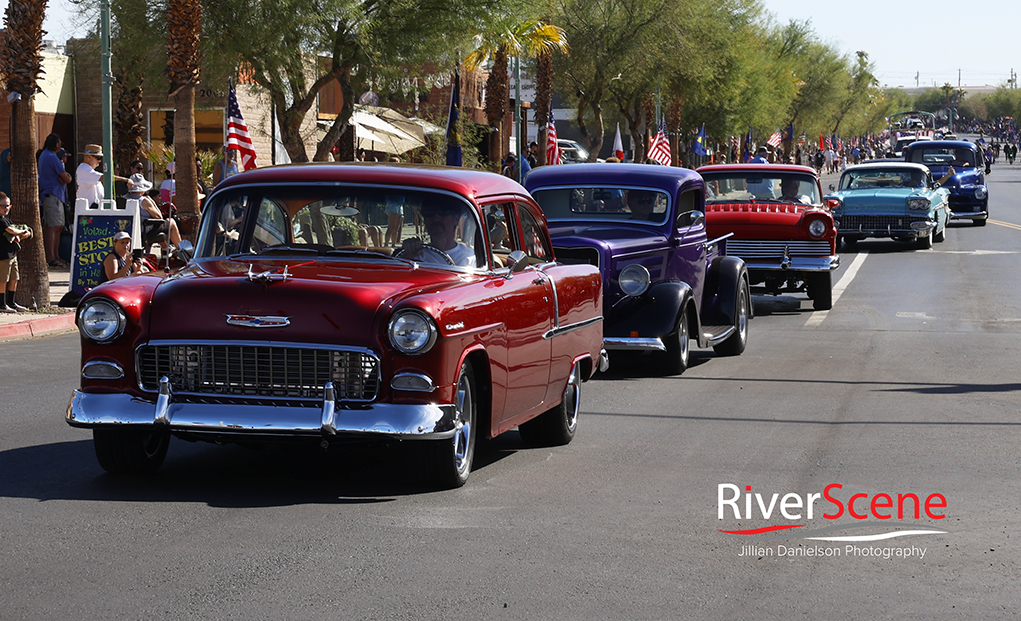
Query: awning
(391, 134)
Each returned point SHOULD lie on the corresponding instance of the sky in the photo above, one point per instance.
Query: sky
(934, 39)
(939, 41)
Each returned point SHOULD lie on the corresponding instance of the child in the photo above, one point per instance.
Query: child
(9, 246)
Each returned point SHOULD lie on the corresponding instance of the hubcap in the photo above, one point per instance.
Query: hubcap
(463, 428)
(571, 398)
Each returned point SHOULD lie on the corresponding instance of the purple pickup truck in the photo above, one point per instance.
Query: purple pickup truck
(664, 282)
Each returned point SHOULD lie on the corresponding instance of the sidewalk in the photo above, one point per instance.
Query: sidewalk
(49, 320)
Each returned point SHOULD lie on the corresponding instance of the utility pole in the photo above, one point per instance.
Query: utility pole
(958, 78)
(916, 79)
(107, 92)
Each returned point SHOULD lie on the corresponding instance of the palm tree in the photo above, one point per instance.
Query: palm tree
(529, 38)
(184, 25)
(21, 64)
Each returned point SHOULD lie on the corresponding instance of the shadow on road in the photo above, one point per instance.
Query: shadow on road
(230, 475)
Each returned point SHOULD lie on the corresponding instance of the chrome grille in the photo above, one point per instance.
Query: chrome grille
(770, 248)
(266, 371)
(879, 223)
(577, 256)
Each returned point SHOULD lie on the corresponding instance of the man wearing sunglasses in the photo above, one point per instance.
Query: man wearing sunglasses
(442, 223)
(641, 203)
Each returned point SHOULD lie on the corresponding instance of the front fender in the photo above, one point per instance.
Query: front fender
(723, 281)
(652, 314)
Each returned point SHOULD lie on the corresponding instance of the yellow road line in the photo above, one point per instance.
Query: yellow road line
(1009, 225)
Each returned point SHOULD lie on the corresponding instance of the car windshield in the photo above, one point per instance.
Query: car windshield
(644, 205)
(959, 157)
(893, 177)
(745, 186)
(361, 223)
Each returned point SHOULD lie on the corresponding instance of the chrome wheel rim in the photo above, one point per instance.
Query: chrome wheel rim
(572, 394)
(742, 314)
(462, 424)
(682, 338)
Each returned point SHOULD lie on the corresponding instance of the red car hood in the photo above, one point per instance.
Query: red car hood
(757, 220)
(323, 301)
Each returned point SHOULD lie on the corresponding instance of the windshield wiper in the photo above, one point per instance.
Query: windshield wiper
(368, 253)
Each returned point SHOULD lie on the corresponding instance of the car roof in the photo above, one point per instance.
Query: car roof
(648, 175)
(780, 168)
(466, 181)
(887, 164)
(956, 144)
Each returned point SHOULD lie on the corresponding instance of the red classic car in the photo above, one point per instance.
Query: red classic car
(290, 323)
(780, 228)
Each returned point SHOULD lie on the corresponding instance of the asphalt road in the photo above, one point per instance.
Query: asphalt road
(908, 385)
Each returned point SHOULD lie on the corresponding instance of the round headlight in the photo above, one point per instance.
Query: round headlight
(918, 203)
(634, 280)
(412, 332)
(817, 228)
(101, 320)
(980, 193)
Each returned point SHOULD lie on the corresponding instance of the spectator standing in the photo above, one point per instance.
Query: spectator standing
(90, 177)
(53, 180)
(168, 189)
(760, 156)
(228, 167)
(5, 172)
(9, 246)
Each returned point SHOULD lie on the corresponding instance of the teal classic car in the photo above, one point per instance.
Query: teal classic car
(895, 200)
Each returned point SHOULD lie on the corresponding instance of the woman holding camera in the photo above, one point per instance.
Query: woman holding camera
(120, 262)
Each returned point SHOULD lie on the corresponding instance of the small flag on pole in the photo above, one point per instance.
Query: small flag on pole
(455, 156)
(659, 148)
(699, 147)
(618, 145)
(775, 140)
(237, 131)
(552, 149)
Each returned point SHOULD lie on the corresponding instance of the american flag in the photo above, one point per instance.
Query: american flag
(775, 140)
(659, 148)
(735, 147)
(802, 139)
(552, 149)
(237, 132)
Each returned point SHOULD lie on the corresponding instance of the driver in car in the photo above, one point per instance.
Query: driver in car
(789, 192)
(441, 223)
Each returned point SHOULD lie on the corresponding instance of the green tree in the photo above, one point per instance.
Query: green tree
(284, 37)
(499, 43)
(184, 19)
(21, 64)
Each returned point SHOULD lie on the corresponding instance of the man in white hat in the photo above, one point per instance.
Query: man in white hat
(90, 178)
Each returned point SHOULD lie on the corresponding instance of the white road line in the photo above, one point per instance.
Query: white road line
(818, 316)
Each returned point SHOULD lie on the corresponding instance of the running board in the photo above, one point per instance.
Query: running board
(717, 334)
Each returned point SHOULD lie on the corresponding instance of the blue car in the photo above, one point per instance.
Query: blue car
(895, 200)
(969, 197)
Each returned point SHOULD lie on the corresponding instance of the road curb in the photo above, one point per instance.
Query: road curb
(37, 327)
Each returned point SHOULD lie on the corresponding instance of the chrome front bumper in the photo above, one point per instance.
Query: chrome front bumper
(794, 264)
(411, 421)
(969, 215)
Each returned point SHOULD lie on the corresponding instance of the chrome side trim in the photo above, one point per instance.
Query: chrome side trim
(623, 343)
(571, 327)
(381, 420)
(721, 336)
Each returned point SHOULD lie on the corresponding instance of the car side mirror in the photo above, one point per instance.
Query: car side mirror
(689, 218)
(833, 188)
(516, 261)
(185, 249)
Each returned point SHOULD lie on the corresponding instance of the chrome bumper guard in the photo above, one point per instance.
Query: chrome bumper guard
(623, 343)
(412, 421)
(969, 215)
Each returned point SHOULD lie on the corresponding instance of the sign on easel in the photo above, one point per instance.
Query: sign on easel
(94, 229)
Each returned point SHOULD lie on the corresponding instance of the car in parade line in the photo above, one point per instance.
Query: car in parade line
(289, 326)
(778, 224)
(895, 200)
(969, 196)
(665, 282)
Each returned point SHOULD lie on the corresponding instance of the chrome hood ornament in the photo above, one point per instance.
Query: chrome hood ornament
(254, 321)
